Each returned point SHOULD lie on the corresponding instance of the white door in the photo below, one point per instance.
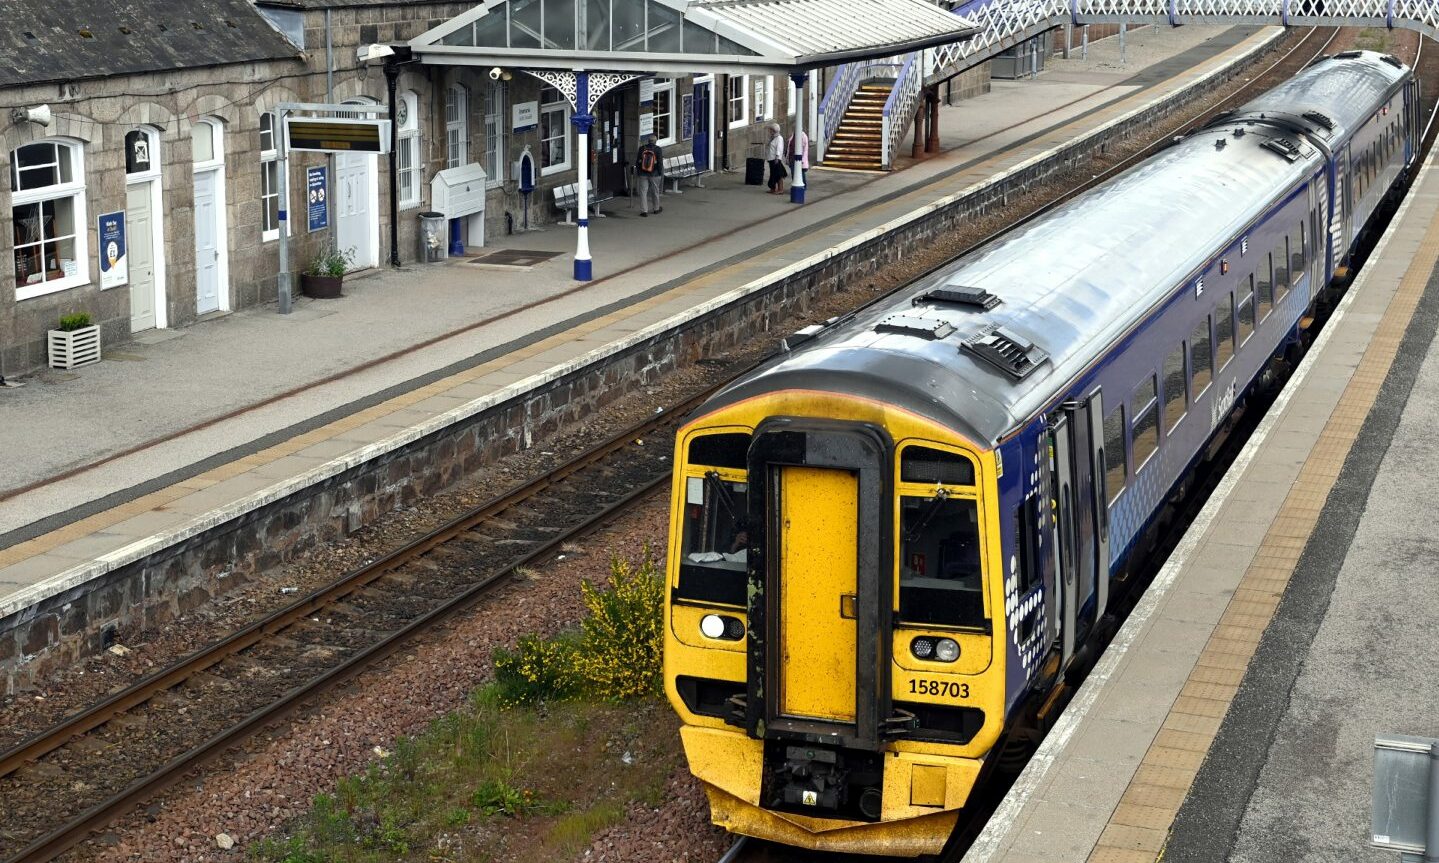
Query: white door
(207, 243)
(357, 217)
(141, 253)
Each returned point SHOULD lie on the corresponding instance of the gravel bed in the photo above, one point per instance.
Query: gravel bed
(257, 790)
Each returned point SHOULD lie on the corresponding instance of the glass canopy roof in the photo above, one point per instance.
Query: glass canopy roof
(659, 36)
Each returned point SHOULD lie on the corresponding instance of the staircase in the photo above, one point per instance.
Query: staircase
(858, 143)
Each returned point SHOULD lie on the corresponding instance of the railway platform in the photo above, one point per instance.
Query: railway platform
(1234, 717)
(109, 467)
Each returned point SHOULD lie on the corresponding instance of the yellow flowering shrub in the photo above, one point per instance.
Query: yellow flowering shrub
(621, 649)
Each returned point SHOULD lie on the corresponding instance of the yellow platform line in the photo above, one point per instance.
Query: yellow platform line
(1140, 823)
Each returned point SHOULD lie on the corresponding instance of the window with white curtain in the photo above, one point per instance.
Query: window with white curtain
(495, 134)
(664, 111)
(47, 207)
(269, 178)
(408, 156)
(554, 132)
(763, 98)
(457, 133)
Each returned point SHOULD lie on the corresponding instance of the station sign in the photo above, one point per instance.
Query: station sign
(337, 135)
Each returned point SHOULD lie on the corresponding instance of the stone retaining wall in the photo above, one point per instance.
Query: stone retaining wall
(179, 579)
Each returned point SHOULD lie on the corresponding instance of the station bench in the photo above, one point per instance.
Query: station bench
(567, 200)
(677, 168)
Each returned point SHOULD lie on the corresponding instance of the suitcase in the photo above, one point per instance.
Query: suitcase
(753, 172)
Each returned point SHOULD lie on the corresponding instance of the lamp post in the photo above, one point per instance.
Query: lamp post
(583, 120)
(796, 156)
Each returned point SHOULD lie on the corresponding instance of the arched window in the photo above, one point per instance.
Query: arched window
(495, 134)
(270, 178)
(457, 126)
(408, 158)
(207, 148)
(47, 181)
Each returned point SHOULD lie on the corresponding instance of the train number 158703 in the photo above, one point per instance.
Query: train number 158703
(945, 688)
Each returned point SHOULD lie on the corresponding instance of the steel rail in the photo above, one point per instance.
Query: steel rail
(37, 746)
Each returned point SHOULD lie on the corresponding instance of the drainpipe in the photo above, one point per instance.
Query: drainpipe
(392, 78)
(329, 61)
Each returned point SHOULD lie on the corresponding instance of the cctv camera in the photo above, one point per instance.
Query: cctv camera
(495, 73)
(40, 115)
(371, 53)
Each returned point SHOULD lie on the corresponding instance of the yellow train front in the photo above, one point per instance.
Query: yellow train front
(830, 640)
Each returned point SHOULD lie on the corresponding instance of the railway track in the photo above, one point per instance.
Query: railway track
(330, 636)
(746, 850)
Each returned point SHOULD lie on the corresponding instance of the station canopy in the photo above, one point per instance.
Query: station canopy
(684, 36)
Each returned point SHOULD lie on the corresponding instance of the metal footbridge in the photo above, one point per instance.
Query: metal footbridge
(1005, 23)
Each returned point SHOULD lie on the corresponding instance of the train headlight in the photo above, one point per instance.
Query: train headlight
(712, 626)
(721, 627)
(946, 650)
(922, 648)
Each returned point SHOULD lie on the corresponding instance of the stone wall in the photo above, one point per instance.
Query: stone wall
(155, 589)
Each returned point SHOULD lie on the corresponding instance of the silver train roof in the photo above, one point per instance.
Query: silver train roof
(1079, 278)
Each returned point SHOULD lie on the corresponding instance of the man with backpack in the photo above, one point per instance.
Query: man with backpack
(650, 168)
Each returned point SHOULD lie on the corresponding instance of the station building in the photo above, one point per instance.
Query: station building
(168, 113)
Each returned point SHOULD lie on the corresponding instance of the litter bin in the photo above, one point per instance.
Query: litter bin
(433, 237)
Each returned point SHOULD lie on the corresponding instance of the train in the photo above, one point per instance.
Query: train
(894, 545)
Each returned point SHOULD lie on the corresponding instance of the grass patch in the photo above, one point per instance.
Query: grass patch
(1370, 39)
(570, 735)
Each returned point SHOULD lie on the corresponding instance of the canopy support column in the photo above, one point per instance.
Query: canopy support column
(583, 120)
(800, 146)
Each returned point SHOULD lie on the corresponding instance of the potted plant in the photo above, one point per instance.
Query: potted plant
(75, 343)
(323, 277)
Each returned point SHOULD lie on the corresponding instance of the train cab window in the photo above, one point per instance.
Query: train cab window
(1224, 331)
(1114, 453)
(940, 576)
(715, 527)
(1144, 437)
(1201, 366)
(1174, 387)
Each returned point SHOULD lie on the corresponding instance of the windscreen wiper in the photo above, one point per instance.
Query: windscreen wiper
(936, 503)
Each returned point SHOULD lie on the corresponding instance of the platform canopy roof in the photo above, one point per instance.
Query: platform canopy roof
(683, 36)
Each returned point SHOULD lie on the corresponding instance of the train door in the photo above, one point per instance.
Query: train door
(1078, 441)
(821, 582)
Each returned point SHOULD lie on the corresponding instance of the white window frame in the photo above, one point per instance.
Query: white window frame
(410, 149)
(667, 86)
(269, 156)
(496, 103)
(561, 107)
(766, 83)
(743, 101)
(457, 126)
(73, 190)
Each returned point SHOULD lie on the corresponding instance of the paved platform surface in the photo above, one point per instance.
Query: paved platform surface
(1234, 719)
(165, 438)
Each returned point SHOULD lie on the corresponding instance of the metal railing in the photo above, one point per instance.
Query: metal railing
(835, 102)
(1005, 23)
(899, 108)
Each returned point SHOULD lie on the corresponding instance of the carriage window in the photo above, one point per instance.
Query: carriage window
(1114, 452)
(1224, 331)
(1294, 245)
(1281, 264)
(1030, 519)
(934, 467)
(1246, 315)
(1145, 437)
(1200, 366)
(1263, 294)
(940, 578)
(720, 450)
(1174, 395)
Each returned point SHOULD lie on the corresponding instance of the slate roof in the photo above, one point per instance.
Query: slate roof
(43, 41)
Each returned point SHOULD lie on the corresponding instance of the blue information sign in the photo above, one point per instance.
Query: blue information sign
(317, 194)
(114, 265)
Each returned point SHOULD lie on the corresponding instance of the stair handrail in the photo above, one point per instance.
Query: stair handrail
(900, 104)
(836, 99)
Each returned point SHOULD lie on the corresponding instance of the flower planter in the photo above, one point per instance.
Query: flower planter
(73, 348)
(321, 287)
